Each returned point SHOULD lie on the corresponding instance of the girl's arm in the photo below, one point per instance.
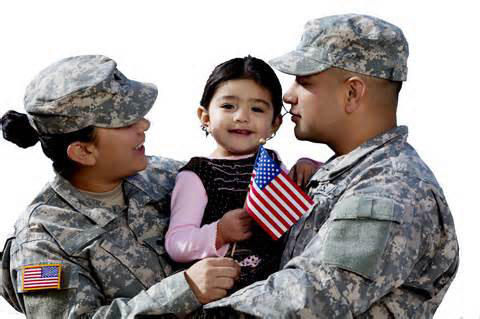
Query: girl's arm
(185, 240)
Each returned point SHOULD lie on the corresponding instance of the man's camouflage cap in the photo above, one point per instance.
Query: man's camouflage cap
(85, 90)
(353, 42)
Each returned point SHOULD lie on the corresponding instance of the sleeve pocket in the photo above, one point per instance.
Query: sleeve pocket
(358, 234)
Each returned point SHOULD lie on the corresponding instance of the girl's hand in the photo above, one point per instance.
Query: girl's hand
(303, 170)
(233, 226)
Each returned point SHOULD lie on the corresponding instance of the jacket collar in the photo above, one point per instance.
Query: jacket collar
(336, 165)
(134, 187)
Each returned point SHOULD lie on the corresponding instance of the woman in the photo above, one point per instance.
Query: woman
(91, 243)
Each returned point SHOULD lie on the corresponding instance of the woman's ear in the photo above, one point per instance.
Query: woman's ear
(203, 116)
(83, 153)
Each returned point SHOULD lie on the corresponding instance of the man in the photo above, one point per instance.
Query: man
(380, 241)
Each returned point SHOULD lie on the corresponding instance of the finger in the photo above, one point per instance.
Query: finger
(224, 282)
(300, 177)
(293, 172)
(223, 263)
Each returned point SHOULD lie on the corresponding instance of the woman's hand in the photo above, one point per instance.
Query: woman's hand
(303, 170)
(210, 278)
(233, 226)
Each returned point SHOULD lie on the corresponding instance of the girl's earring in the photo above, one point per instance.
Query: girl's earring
(205, 129)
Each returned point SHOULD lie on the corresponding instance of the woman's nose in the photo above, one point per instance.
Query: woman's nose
(143, 125)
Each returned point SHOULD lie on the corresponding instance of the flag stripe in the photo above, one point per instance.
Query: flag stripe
(288, 192)
(271, 207)
(267, 216)
(294, 210)
(261, 220)
(296, 189)
(271, 217)
(276, 198)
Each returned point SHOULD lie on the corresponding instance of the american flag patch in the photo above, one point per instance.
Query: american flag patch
(41, 277)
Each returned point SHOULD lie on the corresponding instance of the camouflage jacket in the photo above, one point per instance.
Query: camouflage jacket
(379, 243)
(113, 262)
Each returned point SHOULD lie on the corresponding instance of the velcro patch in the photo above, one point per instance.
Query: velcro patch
(42, 276)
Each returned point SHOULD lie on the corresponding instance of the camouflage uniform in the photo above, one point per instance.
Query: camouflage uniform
(380, 241)
(112, 259)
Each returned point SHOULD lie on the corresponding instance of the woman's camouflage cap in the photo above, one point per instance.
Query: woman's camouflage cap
(85, 90)
(353, 42)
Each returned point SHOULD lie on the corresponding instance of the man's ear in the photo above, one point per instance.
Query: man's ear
(355, 89)
(83, 153)
(203, 116)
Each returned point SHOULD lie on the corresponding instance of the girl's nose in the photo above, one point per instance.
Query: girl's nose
(241, 116)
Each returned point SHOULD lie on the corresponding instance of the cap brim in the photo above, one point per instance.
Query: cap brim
(296, 63)
(134, 104)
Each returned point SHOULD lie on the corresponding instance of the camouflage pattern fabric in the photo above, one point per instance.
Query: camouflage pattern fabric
(357, 43)
(113, 260)
(85, 90)
(379, 243)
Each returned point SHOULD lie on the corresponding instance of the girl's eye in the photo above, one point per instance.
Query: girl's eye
(227, 106)
(257, 109)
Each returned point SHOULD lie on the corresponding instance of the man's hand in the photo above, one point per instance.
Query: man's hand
(233, 226)
(210, 278)
(303, 170)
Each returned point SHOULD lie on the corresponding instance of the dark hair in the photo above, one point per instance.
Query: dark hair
(245, 68)
(17, 129)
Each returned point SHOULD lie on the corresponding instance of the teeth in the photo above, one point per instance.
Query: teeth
(139, 146)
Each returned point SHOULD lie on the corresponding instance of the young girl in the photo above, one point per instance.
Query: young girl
(241, 104)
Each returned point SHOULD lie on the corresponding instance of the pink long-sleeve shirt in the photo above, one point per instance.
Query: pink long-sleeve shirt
(186, 240)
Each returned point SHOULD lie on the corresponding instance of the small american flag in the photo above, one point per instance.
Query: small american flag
(41, 277)
(274, 199)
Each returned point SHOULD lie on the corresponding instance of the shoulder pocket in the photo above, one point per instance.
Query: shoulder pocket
(358, 234)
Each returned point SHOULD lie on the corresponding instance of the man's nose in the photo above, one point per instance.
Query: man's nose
(289, 97)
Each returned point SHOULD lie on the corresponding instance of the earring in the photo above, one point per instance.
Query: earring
(205, 129)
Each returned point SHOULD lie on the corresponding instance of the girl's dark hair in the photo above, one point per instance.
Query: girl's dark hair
(245, 68)
(17, 129)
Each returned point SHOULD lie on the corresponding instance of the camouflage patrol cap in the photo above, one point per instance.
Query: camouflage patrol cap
(353, 42)
(85, 90)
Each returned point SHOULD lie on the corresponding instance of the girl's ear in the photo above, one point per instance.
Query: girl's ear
(82, 153)
(276, 124)
(203, 116)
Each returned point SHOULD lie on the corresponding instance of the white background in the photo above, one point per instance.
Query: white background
(176, 45)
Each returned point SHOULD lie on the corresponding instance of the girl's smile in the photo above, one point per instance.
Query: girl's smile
(239, 115)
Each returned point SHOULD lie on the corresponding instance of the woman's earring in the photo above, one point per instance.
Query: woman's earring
(205, 129)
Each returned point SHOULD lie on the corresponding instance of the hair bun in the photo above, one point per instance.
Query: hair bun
(17, 129)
